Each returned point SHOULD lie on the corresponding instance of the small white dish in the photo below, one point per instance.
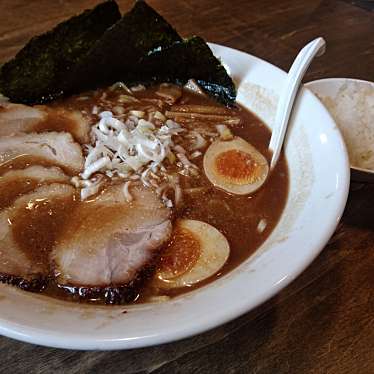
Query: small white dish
(351, 104)
(319, 182)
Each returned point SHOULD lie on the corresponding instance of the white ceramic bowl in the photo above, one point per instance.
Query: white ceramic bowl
(351, 104)
(319, 174)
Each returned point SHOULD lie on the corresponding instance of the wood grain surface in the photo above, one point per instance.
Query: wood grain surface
(324, 321)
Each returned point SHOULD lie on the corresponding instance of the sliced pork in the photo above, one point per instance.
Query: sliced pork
(17, 182)
(59, 119)
(108, 245)
(18, 118)
(27, 234)
(53, 148)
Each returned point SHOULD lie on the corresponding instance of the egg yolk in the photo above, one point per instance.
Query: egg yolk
(237, 166)
(181, 254)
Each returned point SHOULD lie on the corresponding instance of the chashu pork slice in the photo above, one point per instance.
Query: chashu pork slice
(52, 148)
(109, 244)
(15, 183)
(19, 118)
(28, 231)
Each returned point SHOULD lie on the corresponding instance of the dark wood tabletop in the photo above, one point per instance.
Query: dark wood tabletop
(324, 321)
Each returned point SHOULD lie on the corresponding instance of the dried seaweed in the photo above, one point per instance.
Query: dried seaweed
(97, 48)
(115, 57)
(189, 59)
(38, 72)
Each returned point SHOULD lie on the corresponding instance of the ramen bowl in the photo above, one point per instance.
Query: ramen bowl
(319, 181)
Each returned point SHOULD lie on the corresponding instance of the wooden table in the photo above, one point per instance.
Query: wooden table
(324, 321)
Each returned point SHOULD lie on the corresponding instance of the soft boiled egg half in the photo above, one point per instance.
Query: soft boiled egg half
(197, 251)
(235, 166)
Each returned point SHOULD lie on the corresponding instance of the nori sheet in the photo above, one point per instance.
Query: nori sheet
(93, 50)
(115, 57)
(38, 72)
(189, 59)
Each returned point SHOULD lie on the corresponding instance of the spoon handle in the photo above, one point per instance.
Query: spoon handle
(291, 86)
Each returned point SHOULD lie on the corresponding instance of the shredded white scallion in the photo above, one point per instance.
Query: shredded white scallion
(137, 88)
(129, 147)
(224, 132)
(262, 225)
(91, 187)
(198, 141)
(97, 165)
(126, 191)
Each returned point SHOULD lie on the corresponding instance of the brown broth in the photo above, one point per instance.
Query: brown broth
(14, 189)
(36, 229)
(237, 217)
